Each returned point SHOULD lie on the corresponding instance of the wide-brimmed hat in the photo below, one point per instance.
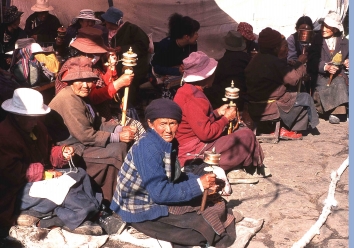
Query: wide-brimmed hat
(112, 15)
(198, 66)
(89, 40)
(246, 30)
(79, 68)
(26, 101)
(333, 20)
(41, 5)
(11, 14)
(87, 14)
(234, 41)
(22, 43)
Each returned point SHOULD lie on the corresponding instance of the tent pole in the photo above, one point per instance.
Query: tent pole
(110, 3)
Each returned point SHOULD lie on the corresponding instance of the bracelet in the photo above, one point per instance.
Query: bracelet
(63, 148)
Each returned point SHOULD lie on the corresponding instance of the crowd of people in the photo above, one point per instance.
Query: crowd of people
(151, 175)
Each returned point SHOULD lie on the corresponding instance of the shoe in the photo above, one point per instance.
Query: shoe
(262, 171)
(86, 228)
(289, 135)
(26, 220)
(333, 119)
(241, 177)
(112, 224)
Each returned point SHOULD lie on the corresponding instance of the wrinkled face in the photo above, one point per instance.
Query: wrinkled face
(15, 24)
(193, 39)
(327, 31)
(82, 88)
(165, 127)
(86, 23)
(26, 123)
(42, 15)
(283, 50)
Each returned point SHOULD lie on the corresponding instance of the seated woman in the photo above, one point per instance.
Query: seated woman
(26, 151)
(156, 198)
(270, 87)
(202, 128)
(102, 145)
(89, 43)
(167, 62)
(328, 74)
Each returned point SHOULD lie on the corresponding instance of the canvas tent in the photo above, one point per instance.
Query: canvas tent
(216, 16)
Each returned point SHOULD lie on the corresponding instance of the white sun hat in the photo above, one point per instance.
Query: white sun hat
(26, 101)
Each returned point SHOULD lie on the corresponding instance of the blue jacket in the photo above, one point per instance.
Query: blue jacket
(145, 186)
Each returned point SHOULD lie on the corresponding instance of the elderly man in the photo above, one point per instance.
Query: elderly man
(41, 25)
(161, 201)
(269, 82)
(102, 145)
(26, 151)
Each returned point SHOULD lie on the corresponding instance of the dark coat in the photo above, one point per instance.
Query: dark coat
(10, 44)
(17, 152)
(130, 35)
(267, 82)
(45, 31)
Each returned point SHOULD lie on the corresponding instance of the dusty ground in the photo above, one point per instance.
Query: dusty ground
(291, 200)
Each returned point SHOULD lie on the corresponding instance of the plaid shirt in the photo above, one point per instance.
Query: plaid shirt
(144, 185)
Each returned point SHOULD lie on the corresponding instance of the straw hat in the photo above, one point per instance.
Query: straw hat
(198, 66)
(79, 68)
(26, 101)
(89, 40)
(87, 14)
(41, 5)
(11, 14)
(234, 41)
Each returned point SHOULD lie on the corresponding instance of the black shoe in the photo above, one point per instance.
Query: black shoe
(86, 228)
(112, 224)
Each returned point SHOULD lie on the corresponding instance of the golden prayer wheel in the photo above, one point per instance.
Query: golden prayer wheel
(129, 61)
(211, 157)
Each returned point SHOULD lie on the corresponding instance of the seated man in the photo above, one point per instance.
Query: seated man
(161, 201)
(41, 25)
(269, 82)
(102, 145)
(26, 151)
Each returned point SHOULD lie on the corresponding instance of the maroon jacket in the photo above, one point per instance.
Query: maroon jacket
(17, 152)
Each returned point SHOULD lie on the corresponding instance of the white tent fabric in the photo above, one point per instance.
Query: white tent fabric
(216, 17)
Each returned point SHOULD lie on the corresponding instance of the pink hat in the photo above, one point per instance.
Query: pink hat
(246, 30)
(198, 66)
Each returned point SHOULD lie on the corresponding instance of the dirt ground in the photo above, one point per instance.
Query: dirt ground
(291, 200)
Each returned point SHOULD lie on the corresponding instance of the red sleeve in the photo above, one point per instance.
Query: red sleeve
(204, 126)
(56, 157)
(99, 95)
